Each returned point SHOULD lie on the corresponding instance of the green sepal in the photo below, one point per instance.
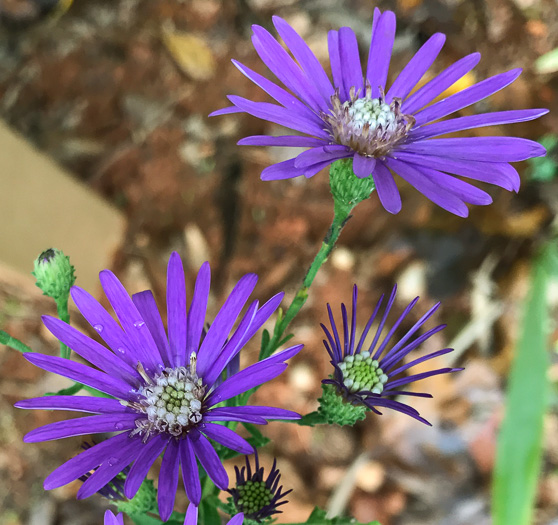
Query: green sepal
(347, 189)
(311, 420)
(336, 410)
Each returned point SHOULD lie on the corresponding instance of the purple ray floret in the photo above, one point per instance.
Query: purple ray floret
(165, 385)
(385, 130)
(372, 374)
(111, 519)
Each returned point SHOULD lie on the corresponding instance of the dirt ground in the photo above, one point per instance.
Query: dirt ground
(101, 93)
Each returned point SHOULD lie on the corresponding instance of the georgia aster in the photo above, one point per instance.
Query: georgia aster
(165, 389)
(383, 130)
(373, 374)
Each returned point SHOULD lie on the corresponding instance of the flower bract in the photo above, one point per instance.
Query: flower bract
(384, 130)
(166, 389)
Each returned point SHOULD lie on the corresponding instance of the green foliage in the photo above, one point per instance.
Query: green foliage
(318, 517)
(545, 169)
(143, 502)
(520, 439)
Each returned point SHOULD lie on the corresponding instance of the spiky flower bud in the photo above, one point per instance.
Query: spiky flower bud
(54, 273)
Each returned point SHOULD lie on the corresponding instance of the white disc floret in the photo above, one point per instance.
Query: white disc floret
(361, 373)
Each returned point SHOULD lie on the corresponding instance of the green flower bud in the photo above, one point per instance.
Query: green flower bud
(335, 409)
(347, 189)
(54, 273)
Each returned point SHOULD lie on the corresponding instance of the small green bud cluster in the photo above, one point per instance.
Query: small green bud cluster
(362, 373)
(253, 496)
(54, 274)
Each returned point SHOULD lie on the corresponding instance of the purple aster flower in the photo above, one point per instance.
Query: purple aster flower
(165, 397)
(111, 519)
(257, 497)
(383, 130)
(372, 375)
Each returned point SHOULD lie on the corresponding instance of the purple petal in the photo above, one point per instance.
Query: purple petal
(81, 373)
(176, 310)
(91, 351)
(312, 170)
(440, 83)
(335, 61)
(145, 459)
(281, 357)
(191, 515)
(211, 462)
(387, 189)
(363, 166)
(130, 319)
(86, 461)
(286, 70)
(117, 461)
(304, 56)
(279, 94)
(351, 68)
(462, 190)
(291, 141)
(233, 416)
(263, 314)
(190, 474)
(281, 170)
(416, 68)
(226, 437)
(432, 191)
(279, 115)
(237, 519)
(487, 149)
(379, 55)
(111, 519)
(198, 309)
(225, 111)
(321, 154)
(380, 328)
(475, 121)
(95, 405)
(224, 321)
(246, 379)
(82, 426)
(105, 326)
(418, 377)
(465, 98)
(168, 480)
(421, 360)
(498, 173)
(395, 405)
(231, 348)
(369, 325)
(147, 307)
(256, 411)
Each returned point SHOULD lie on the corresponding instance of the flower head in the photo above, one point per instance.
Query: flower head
(372, 375)
(383, 130)
(165, 390)
(254, 495)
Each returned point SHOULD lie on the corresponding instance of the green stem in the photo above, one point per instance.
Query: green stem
(340, 218)
(12, 342)
(62, 307)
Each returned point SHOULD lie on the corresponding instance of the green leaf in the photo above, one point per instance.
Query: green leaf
(258, 439)
(318, 516)
(519, 450)
(70, 391)
(12, 342)
(208, 514)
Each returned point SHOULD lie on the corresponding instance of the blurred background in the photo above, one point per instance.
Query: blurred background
(115, 162)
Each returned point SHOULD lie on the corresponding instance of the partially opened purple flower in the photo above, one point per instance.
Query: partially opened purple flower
(373, 374)
(383, 130)
(165, 390)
